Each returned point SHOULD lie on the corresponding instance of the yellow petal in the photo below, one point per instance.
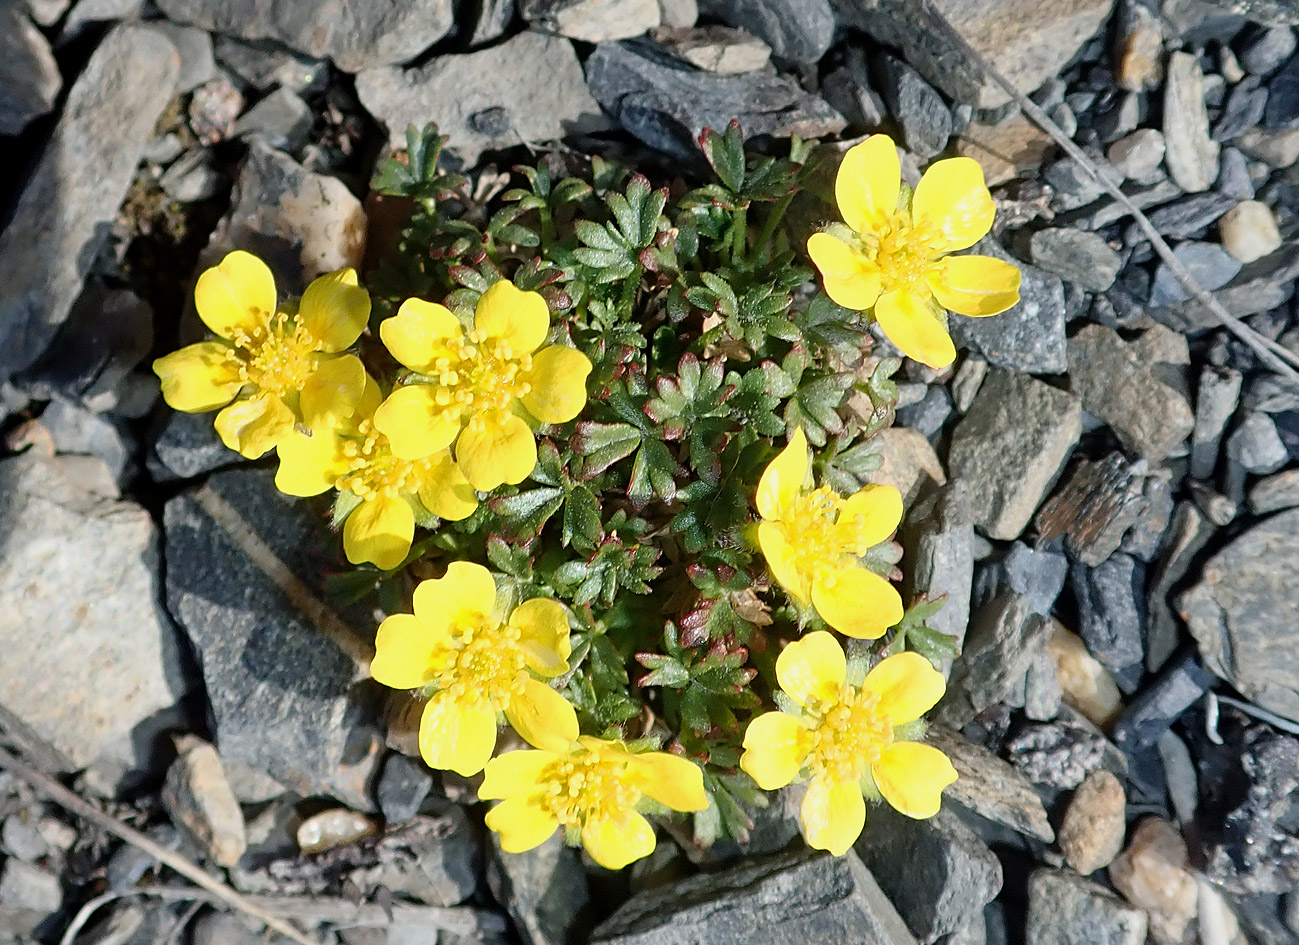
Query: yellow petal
(418, 334)
(952, 205)
(521, 823)
(251, 427)
(464, 595)
(975, 285)
(198, 377)
(833, 815)
(332, 392)
(543, 634)
(671, 780)
(866, 187)
(908, 686)
(912, 776)
(812, 668)
(851, 279)
(520, 319)
(542, 717)
(783, 478)
(403, 651)
(856, 602)
(513, 773)
(334, 309)
(784, 561)
(310, 465)
(415, 424)
(445, 491)
(557, 382)
(868, 517)
(457, 734)
(496, 447)
(775, 747)
(236, 295)
(618, 839)
(909, 323)
(380, 531)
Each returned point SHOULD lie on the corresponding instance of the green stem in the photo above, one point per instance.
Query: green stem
(769, 226)
(739, 229)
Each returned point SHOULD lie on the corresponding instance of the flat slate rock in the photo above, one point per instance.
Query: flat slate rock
(800, 30)
(528, 89)
(29, 76)
(355, 34)
(68, 206)
(1243, 612)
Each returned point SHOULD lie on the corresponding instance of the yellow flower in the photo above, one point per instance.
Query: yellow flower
(591, 787)
(279, 366)
(478, 389)
(812, 538)
(353, 457)
(477, 666)
(851, 739)
(895, 258)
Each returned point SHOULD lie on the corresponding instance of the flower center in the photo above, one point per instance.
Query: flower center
(483, 661)
(902, 253)
(851, 735)
(810, 525)
(374, 470)
(587, 784)
(477, 373)
(278, 358)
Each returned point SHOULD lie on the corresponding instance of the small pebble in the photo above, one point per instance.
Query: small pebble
(1139, 154)
(333, 828)
(1153, 874)
(1249, 230)
(22, 839)
(1140, 53)
(1092, 833)
(1085, 683)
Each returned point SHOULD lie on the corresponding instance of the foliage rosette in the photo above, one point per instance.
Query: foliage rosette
(605, 458)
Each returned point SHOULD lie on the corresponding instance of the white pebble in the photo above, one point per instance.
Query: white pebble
(1249, 230)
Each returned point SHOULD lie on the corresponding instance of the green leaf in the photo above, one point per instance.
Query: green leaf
(725, 152)
(524, 513)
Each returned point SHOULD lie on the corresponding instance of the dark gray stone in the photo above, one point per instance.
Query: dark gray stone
(936, 872)
(783, 899)
(666, 104)
(77, 431)
(356, 35)
(1189, 534)
(545, 891)
(281, 119)
(1242, 111)
(1065, 909)
(1256, 445)
(1107, 211)
(849, 91)
(942, 557)
(1111, 615)
(191, 178)
(920, 112)
(489, 19)
(1191, 155)
(1161, 703)
(29, 76)
(1146, 536)
(197, 61)
(800, 30)
(1233, 177)
(280, 683)
(1029, 337)
(66, 209)
(1122, 116)
(1215, 402)
(1282, 111)
(265, 65)
(1268, 12)
(188, 446)
(1182, 218)
(1241, 614)
(1259, 286)
(1261, 50)
(1004, 638)
(433, 858)
(1074, 185)
(1057, 754)
(402, 787)
(457, 90)
(928, 415)
(1037, 575)
(990, 787)
(1076, 256)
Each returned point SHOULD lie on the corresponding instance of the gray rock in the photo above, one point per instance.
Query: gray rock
(1192, 155)
(1282, 110)
(1146, 414)
(1042, 691)
(848, 90)
(1004, 639)
(1189, 534)
(721, 49)
(1215, 402)
(435, 859)
(1063, 116)
(29, 76)
(402, 787)
(1010, 447)
(666, 105)
(1108, 211)
(967, 381)
(1268, 12)
(281, 119)
(1257, 446)
(1064, 909)
(1277, 149)
(47, 12)
(188, 446)
(1275, 493)
(1076, 256)
(1036, 575)
(942, 562)
(191, 178)
(77, 431)
(356, 34)
(1139, 154)
(928, 415)
(486, 20)
(1259, 286)
(545, 890)
(1028, 337)
(1269, 393)
(1242, 111)
(265, 65)
(990, 787)
(1025, 41)
(923, 116)
(1233, 177)
(1074, 185)
(1241, 612)
(20, 836)
(1182, 218)
(936, 872)
(101, 679)
(1146, 536)
(279, 666)
(785, 898)
(1122, 116)
(28, 896)
(1261, 50)
(478, 100)
(197, 61)
(87, 14)
(67, 207)
(1161, 703)
(800, 30)
(199, 800)
(1111, 615)
(679, 12)
(592, 21)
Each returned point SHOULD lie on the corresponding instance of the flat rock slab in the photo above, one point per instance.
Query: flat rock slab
(788, 898)
(29, 76)
(1010, 447)
(243, 572)
(1243, 614)
(356, 34)
(67, 207)
(528, 89)
(91, 665)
